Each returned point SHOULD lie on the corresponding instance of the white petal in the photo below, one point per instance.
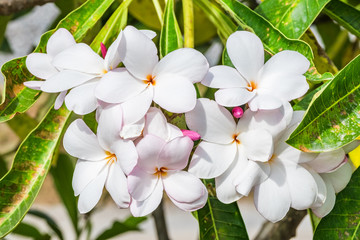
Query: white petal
(59, 41)
(80, 57)
(126, 154)
(184, 62)
(142, 184)
(321, 187)
(149, 149)
(213, 122)
(116, 185)
(39, 65)
(258, 144)
(174, 93)
(265, 102)
(60, 100)
(141, 53)
(115, 53)
(36, 85)
(223, 77)
(150, 34)
(80, 142)
(91, 194)
(65, 80)
(174, 131)
(132, 131)
(340, 178)
(136, 107)
(329, 203)
(156, 124)
(246, 52)
(175, 154)
(143, 208)
(211, 160)
(233, 97)
(192, 206)
(327, 161)
(287, 153)
(82, 99)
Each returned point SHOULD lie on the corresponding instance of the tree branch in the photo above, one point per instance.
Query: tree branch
(160, 223)
(284, 229)
(8, 7)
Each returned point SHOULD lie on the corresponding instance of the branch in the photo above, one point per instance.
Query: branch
(8, 7)
(284, 229)
(160, 223)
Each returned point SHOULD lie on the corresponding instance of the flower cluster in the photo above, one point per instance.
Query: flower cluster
(137, 155)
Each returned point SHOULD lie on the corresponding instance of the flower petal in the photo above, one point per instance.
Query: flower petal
(39, 65)
(327, 161)
(184, 62)
(116, 185)
(321, 187)
(59, 41)
(213, 122)
(60, 100)
(150, 34)
(126, 154)
(149, 149)
(141, 53)
(141, 184)
(80, 142)
(287, 153)
(264, 101)
(36, 85)
(246, 52)
(223, 77)
(257, 144)
(232, 97)
(329, 203)
(132, 131)
(339, 178)
(193, 206)
(156, 124)
(175, 154)
(136, 107)
(115, 53)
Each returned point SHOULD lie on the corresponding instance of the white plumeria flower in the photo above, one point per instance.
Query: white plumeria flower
(169, 82)
(103, 160)
(40, 64)
(228, 150)
(163, 154)
(262, 86)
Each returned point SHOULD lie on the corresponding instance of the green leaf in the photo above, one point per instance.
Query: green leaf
(343, 222)
(291, 17)
(170, 37)
(332, 119)
(28, 230)
(62, 173)
(305, 102)
(16, 97)
(130, 224)
(144, 11)
(220, 221)
(50, 222)
(346, 15)
(20, 186)
(3, 23)
(3, 167)
(22, 124)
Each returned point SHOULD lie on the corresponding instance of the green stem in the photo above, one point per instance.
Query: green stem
(159, 11)
(188, 10)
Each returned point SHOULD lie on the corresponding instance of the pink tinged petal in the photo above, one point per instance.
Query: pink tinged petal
(232, 97)
(150, 34)
(126, 154)
(329, 203)
(109, 127)
(327, 161)
(65, 80)
(156, 124)
(85, 171)
(237, 112)
(36, 85)
(60, 100)
(257, 144)
(224, 77)
(80, 57)
(254, 174)
(39, 65)
(91, 194)
(59, 41)
(184, 62)
(191, 134)
(339, 178)
(149, 149)
(141, 53)
(132, 131)
(174, 93)
(143, 208)
(142, 184)
(116, 185)
(225, 189)
(321, 187)
(272, 198)
(264, 102)
(82, 99)
(246, 52)
(211, 160)
(174, 131)
(136, 107)
(115, 53)
(175, 154)
(103, 50)
(213, 122)
(118, 86)
(80, 142)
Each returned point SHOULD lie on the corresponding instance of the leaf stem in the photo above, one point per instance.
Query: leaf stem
(159, 11)
(188, 10)
(160, 222)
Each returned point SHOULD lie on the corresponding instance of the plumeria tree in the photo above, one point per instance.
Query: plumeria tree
(204, 101)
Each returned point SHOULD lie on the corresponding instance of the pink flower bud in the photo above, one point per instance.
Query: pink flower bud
(237, 112)
(103, 50)
(191, 134)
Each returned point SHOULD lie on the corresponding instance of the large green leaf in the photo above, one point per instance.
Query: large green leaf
(220, 221)
(343, 222)
(144, 11)
(17, 98)
(346, 15)
(170, 37)
(20, 186)
(291, 17)
(333, 117)
(27, 230)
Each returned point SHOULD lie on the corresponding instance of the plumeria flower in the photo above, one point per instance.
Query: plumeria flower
(169, 82)
(103, 160)
(228, 150)
(163, 154)
(262, 86)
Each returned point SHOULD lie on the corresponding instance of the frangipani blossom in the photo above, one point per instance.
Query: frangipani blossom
(228, 150)
(103, 160)
(163, 154)
(262, 86)
(169, 82)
